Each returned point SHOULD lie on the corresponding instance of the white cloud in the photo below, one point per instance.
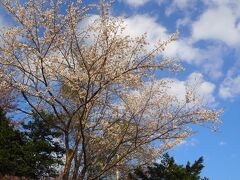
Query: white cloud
(183, 142)
(209, 58)
(135, 3)
(180, 5)
(188, 143)
(184, 22)
(3, 23)
(178, 90)
(183, 50)
(139, 3)
(230, 87)
(218, 23)
(83, 25)
(139, 24)
(136, 25)
(203, 89)
(215, 3)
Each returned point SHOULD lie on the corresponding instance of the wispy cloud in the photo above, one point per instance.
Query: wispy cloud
(135, 3)
(230, 87)
(139, 3)
(222, 143)
(183, 5)
(188, 143)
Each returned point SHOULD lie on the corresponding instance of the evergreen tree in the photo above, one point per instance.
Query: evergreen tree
(167, 169)
(12, 144)
(43, 148)
(32, 152)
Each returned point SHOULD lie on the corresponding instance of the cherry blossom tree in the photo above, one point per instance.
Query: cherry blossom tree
(7, 95)
(102, 86)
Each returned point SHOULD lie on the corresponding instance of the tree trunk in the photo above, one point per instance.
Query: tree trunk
(83, 173)
(66, 171)
(76, 167)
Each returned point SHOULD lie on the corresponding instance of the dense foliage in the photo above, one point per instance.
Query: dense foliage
(168, 169)
(12, 143)
(30, 153)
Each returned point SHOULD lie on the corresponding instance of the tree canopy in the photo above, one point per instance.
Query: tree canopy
(168, 169)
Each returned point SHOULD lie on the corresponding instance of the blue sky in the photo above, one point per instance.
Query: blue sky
(209, 49)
